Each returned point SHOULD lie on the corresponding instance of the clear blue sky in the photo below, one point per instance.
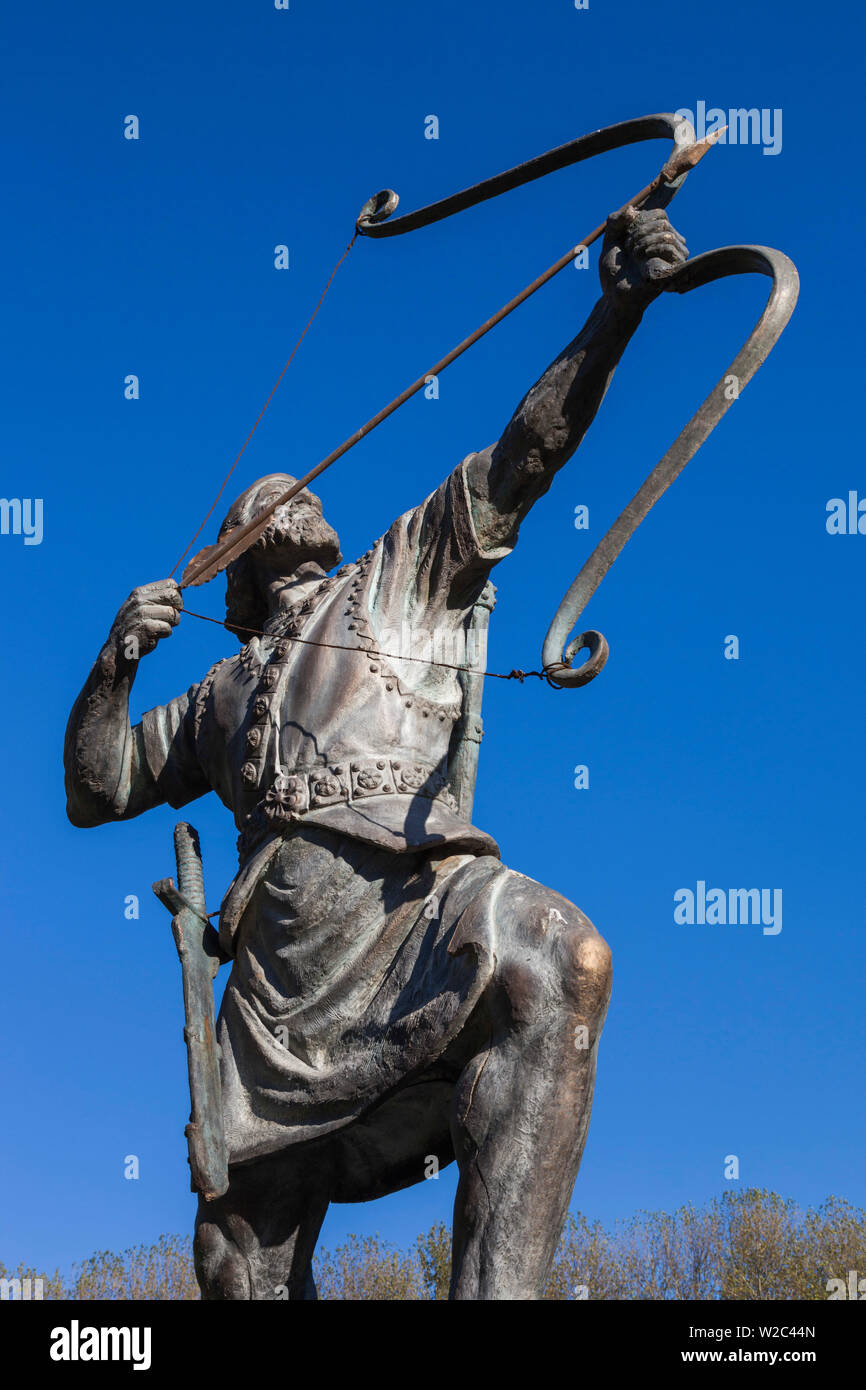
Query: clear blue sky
(155, 257)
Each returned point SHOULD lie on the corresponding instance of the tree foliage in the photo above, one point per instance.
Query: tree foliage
(160, 1271)
(748, 1244)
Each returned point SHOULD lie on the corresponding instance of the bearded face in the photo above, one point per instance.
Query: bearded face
(296, 534)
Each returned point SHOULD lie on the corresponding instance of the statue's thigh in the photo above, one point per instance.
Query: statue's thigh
(405, 1140)
(551, 968)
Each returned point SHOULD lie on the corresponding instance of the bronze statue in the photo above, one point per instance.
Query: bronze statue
(398, 997)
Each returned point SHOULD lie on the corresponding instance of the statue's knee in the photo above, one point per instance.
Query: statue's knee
(221, 1270)
(586, 962)
(552, 958)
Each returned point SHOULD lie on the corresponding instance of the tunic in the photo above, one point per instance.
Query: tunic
(331, 748)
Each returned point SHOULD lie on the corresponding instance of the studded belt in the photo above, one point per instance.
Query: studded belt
(292, 794)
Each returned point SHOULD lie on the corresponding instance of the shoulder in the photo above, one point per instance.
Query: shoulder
(438, 516)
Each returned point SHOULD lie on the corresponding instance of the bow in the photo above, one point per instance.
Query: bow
(701, 270)
(374, 221)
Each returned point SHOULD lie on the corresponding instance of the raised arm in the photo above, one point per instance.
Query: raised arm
(554, 415)
(107, 777)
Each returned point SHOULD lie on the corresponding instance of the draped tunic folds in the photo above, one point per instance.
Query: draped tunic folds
(334, 763)
(355, 969)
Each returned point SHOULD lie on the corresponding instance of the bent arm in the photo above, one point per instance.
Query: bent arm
(107, 777)
(107, 773)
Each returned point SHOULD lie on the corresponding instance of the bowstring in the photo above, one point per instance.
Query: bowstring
(517, 675)
(273, 392)
(382, 656)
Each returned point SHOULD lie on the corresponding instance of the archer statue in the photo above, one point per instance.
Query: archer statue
(398, 997)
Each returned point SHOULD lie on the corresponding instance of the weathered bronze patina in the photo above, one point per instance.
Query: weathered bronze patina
(398, 998)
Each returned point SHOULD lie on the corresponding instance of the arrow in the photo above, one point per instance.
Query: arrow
(210, 561)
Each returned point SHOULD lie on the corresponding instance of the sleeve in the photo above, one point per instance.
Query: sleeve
(169, 736)
(437, 547)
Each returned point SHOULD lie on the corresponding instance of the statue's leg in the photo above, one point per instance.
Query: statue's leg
(522, 1104)
(257, 1241)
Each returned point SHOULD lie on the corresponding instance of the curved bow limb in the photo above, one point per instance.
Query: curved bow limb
(373, 217)
(556, 657)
